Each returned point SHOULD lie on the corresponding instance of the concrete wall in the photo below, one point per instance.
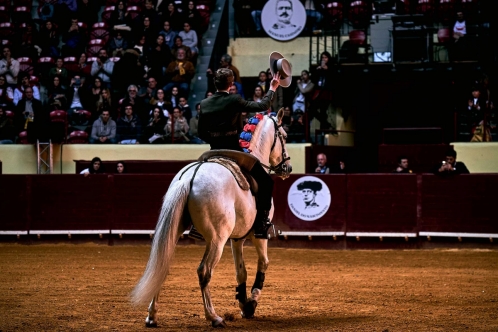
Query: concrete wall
(478, 157)
(21, 159)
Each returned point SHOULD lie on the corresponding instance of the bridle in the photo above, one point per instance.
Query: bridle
(281, 168)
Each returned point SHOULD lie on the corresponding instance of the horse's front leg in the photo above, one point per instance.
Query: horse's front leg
(151, 320)
(261, 246)
(240, 272)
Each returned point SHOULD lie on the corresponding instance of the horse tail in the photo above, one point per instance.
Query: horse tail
(163, 245)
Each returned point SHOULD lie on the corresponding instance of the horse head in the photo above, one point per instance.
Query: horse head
(268, 143)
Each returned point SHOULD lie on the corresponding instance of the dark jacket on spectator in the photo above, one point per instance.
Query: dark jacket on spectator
(129, 128)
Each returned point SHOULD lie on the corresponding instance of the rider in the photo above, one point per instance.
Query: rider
(220, 124)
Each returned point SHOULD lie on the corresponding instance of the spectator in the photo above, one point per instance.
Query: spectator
(160, 101)
(341, 168)
(118, 44)
(179, 45)
(59, 71)
(402, 165)
(149, 92)
(242, 17)
(120, 18)
(139, 106)
(257, 8)
(168, 34)
(84, 69)
(154, 131)
(297, 129)
(263, 81)
(180, 72)
(479, 122)
(278, 99)
(27, 111)
(172, 99)
(194, 122)
(233, 90)
(150, 12)
(159, 57)
(74, 40)
(9, 67)
(189, 38)
(28, 40)
(77, 97)
(148, 30)
(257, 94)
(226, 62)
(6, 94)
(105, 103)
(87, 11)
(181, 127)
(459, 49)
(193, 17)
(303, 90)
(313, 15)
(323, 93)
(186, 111)
(208, 94)
(95, 94)
(322, 168)
(103, 130)
(140, 44)
(49, 40)
(103, 68)
(7, 128)
(20, 89)
(168, 11)
(57, 99)
(120, 167)
(95, 167)
(451, 166)
(129, 128)
(286, 119)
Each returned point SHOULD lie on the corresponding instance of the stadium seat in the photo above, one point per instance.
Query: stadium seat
(7, 30)
(5, 3)
(425, 7)
(91, 59)
(115, 59)
(78, 137)
(445, 11)
(107, 13)
(5, 42)
(94, 46)
(444, 39)
(133, 11)
(84, 113)
(25, 65)
(333, 14)
(21, 14)
(9, 114)
(23, 137)
(100, 30)
(205, 13)
(4, 14)
(71, 64)
(359, 14)
(59, 129)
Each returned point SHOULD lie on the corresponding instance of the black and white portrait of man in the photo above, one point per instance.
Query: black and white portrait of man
(283, 13)
(308, 190)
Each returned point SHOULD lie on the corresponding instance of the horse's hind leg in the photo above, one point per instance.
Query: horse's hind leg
(240, 272)
(211, 257)
(251, 304)
(151, 321)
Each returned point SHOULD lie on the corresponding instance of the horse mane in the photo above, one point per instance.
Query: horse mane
(247, 134)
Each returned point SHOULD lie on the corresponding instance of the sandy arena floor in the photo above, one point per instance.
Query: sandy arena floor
(84, 287)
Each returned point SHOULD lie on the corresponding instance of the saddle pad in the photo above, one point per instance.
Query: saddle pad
(232, 166)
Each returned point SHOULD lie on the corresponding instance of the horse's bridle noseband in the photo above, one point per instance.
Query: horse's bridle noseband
(281, 168)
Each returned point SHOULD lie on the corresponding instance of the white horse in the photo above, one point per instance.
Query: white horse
(208, 195)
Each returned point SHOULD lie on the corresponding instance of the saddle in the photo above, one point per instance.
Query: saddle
(238, 163)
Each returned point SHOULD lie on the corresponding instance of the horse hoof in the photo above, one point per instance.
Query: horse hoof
(249, 309)
(219, 323)
(151, 324)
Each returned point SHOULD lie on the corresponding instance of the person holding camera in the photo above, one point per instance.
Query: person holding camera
(451, 166)
(76, 95)
(103, 68)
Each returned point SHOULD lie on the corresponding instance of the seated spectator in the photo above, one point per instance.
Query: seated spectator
(49, 40)
(256, 9)
(127, 71)
(74, 40)
(9, 67)
(193, 17)
(84, 68)
(172, 100)
(139, 106)
(263, 82)
(6, 94)
(189, 38)
(7, 128)
(186, 111)
(87, 11)
(94, 94)
(180, 72)
(451, 166)
(77, 98)
(257, 94)
(194, 122)
(233, 90)
(154, 131)
(140, 44)
(120, 167)
(168, 34)
(149, 11)
(129, 128)
(148, 30)
(242, 17)
(159, 57)
(95, 167)
(322, 168)
(160, 101)
(226, 62)
(168, 12)
(297, 129)
(118, 44)
(31, 116)
(59, 71)
(103, 68)
(302, 94)
(149, 92)
(179, 45)
(120, 18)
(322, 96)
(286, 119)
(103, 130)
(402, 166)
(27, 42)
(105, 103)
(181, 127)
(57, 99)
(341, 168)
(20, 89)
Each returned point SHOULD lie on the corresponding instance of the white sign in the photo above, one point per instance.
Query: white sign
(309, 198)
(283, 19)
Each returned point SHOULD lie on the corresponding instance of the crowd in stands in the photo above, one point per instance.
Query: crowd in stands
(100, 70)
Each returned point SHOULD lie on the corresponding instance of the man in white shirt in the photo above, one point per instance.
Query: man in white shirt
(103, 68)
(19, 90)
(9, 67)
(304, 87)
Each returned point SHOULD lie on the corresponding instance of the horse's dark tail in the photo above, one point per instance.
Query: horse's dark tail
(168, 231)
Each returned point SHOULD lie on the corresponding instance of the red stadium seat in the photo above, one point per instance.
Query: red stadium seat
(4, 14)
(23, 137)
(425, 7)
(84, 113)
(9, 114)
(100, 30)
(359, 13)
(445, 11)
(333, 14)
(71, 64)
(7, 30)
(91, 59)
(94, 47)
(26, 65)
(78, 137)
(107, 13)
(205, 14)
(21, 13)
(5, 42)
(133, 11)
(115, 59)
(59, 117)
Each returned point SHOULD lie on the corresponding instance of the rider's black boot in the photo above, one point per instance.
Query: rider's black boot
(194, 234)
(262, 224)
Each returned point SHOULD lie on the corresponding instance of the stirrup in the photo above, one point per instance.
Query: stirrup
(195, 235)
(262, 231)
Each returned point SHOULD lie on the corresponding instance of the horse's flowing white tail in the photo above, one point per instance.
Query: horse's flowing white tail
(163, 245)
